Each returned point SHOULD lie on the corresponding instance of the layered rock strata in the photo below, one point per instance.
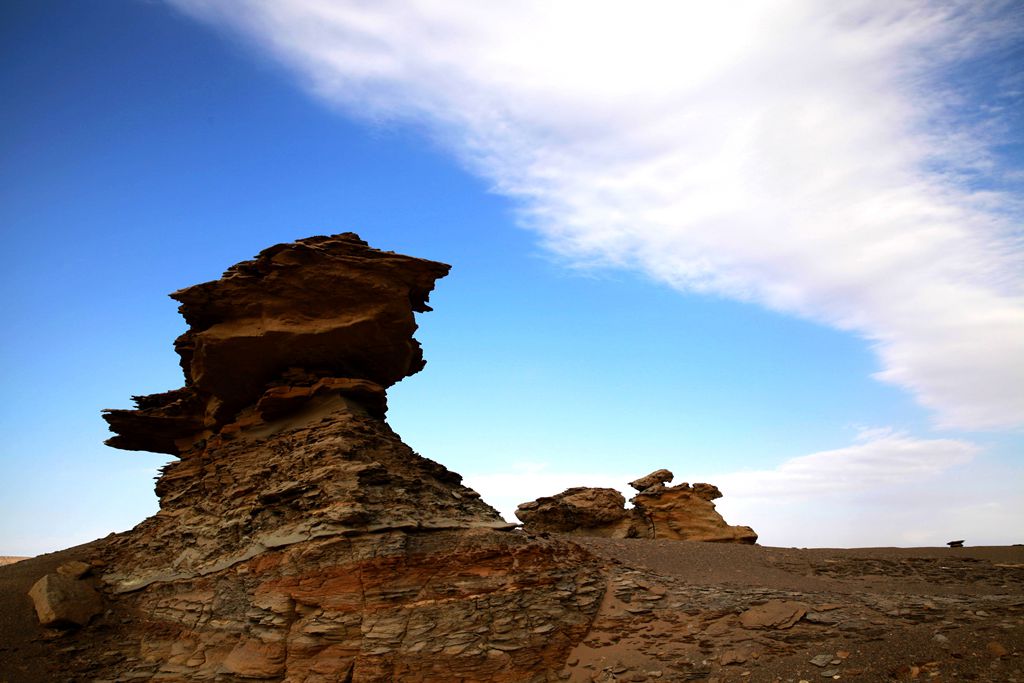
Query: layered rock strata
(298, 538)
(323, 309)
(681, 512)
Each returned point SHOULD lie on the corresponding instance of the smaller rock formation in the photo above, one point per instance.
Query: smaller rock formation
(582, 511)
(64, 599)
(682, 512)
(686, 513)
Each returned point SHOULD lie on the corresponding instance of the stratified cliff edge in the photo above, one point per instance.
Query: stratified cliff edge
(298, 538)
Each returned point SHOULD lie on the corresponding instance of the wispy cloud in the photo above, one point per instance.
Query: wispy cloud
(880, 459)
(888, 488)
(805, 156)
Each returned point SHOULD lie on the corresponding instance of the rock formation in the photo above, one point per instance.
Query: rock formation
(680, 512)
(298, 538)
(321, 315)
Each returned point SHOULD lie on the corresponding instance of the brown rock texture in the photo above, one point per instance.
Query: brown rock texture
(296, 315)
(63, 601)
(686, 513)
(653, 479)
(298, 538)
(680, 512)
(582, 511)
(774, 614)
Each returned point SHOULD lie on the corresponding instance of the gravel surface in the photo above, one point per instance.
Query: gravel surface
(678, 611)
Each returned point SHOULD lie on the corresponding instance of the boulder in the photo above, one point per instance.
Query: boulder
(62, 601)
(581, 510)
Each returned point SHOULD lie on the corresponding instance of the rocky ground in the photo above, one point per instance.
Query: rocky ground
(687, 611)
(684, 611)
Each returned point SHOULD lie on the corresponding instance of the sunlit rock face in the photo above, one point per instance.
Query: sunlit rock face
(298, 538)
(683, 513)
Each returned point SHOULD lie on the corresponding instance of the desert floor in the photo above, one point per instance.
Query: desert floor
(679, 611)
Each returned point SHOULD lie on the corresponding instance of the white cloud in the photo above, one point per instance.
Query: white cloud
(886, 489)
(800, 155)
(881, 459)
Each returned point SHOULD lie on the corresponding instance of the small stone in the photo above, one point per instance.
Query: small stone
(820, 660)
(830, 673)
(940, 639)
(996, 649)
(842, 654)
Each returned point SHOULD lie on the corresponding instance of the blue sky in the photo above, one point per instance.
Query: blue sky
(775, 250)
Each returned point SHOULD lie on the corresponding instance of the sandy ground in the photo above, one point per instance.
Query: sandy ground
(674, 611)
(26, 649)
(10, 559)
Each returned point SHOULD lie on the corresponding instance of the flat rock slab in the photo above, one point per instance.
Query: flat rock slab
(774, 614)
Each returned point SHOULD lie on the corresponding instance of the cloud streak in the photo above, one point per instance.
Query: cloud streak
(807, 157)
(888, 488)
(881, 459)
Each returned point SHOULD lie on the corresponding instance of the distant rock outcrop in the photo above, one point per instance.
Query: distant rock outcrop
(298, 538)
(680, 512)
